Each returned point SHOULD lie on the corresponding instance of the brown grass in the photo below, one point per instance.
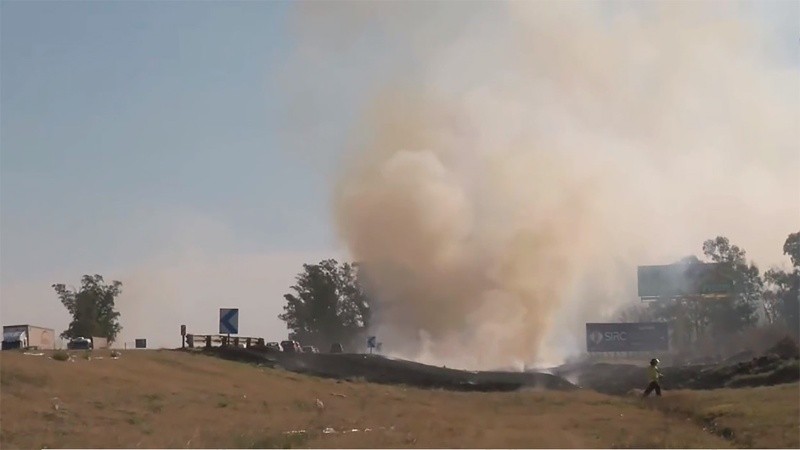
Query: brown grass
(761, 417)
(167, 399)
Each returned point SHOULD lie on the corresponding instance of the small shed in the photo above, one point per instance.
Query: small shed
(28, 336)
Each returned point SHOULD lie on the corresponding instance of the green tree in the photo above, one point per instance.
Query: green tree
(782, 297)
(698, 319)
(792, 248)
(92, 308)
(740, 309)
(328, 305)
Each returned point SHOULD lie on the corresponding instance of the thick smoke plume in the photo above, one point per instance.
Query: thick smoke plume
(504, 192)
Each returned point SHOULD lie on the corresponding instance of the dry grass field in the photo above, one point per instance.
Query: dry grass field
(169, 399)
(763, 417)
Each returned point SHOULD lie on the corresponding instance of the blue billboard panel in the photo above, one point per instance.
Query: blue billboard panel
(681, 280)
(627, 337)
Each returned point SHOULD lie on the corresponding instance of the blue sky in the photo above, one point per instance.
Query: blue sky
(118, 109)
(124, 123)
(141, 136)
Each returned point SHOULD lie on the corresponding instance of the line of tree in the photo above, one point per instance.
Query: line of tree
(771, 299)
(329, 303)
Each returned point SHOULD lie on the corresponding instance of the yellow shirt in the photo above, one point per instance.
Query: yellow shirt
(653, 373)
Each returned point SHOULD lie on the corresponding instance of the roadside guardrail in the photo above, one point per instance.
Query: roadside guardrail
(211, 340)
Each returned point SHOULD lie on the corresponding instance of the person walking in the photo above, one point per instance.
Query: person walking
(654, 376)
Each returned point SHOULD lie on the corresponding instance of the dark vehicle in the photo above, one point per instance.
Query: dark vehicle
(291, 347)
(273, 347)
(310, 349)
(80, 343)
(337, 348)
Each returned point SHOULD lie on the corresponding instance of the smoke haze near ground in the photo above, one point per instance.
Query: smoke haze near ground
(507, 175)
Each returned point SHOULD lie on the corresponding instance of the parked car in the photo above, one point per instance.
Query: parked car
(291, 347)
(273, 347)
(337, 348)
(310, 349)
(80, 343)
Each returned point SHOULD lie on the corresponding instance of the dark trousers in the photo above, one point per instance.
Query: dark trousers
(650, 387)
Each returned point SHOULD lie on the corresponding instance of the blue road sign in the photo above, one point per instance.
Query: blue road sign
(371, 342)
(228, 320)
(627, 337)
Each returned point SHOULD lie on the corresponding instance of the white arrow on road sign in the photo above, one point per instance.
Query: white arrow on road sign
(228, 320)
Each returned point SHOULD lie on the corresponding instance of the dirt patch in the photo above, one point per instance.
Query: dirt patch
(241, 355)
(763, 371)
(786, 348)
(770, 369)
(616, 379)
(378, 369)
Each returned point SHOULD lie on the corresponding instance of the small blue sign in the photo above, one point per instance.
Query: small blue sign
(371, 341)
(228, 320)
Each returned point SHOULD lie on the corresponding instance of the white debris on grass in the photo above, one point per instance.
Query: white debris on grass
(329, 430)
(295, 432)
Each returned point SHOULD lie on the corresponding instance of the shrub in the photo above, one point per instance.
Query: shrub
(61, 355)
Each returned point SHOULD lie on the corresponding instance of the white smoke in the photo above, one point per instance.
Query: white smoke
(502, 192)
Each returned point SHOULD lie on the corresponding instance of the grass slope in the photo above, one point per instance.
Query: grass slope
(762, 417)
(167, 399)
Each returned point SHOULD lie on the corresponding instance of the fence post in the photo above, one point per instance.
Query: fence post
(208, 341)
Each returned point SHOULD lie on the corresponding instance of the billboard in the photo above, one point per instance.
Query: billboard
(679, 280)
(140, 343)
(627, 337)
